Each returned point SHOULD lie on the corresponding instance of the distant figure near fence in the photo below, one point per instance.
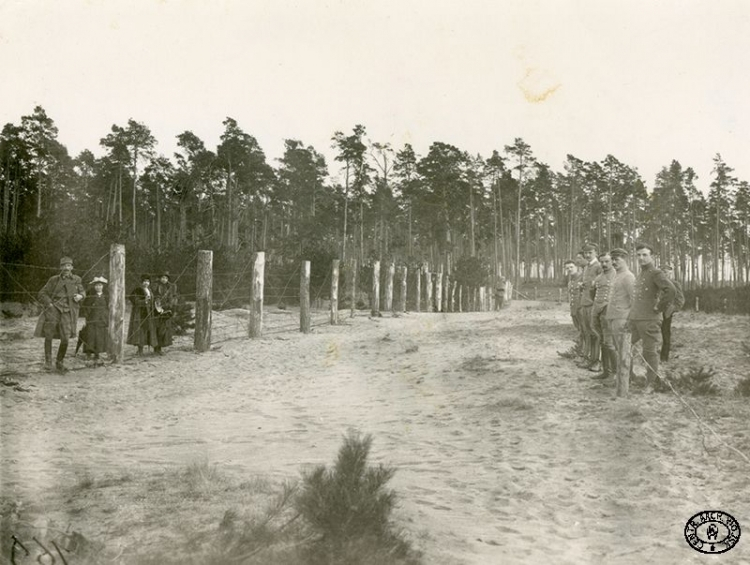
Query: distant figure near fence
(60, 299)
(142, 328)
(165, 301)
(673, 308)
(499, 293)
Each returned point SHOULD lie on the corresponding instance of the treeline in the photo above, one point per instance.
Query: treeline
(511, 212)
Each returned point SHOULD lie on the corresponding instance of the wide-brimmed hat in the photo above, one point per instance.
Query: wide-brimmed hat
(66, 261)
(98, 279)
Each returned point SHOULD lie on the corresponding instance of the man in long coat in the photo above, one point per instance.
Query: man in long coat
(60, 299)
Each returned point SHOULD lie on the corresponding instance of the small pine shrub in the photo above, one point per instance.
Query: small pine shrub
(348, 510)
(697, 381)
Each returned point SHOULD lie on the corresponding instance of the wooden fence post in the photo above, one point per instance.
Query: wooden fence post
(418, 290)
(335, 292)
(697, 304)
(454, 284)
(203, 301)
(402, 305)
(389, 287)
(481, 299)
(256, 295)
(116, 327)
(304, 297)
(461, 298)
(375, 298)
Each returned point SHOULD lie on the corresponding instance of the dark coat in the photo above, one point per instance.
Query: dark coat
(96, 332)
(165, 296)
(59, 311)
(142, 328)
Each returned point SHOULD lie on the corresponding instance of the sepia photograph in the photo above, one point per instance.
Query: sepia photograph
(357, 282)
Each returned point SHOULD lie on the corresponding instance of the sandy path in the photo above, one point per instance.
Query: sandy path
(505, 452)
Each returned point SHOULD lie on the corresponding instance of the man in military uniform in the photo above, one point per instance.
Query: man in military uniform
(60, 299)
(598, 316)
(573, 274)
(654, 292)
(591, 270)
(666, 323)
(621, 292)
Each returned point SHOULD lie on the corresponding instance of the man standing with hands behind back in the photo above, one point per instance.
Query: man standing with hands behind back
(654, 292)
(666, 324)
(60, 299)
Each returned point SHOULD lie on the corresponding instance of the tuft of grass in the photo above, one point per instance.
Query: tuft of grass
(476, 364)
(743, 387)
(511, 403)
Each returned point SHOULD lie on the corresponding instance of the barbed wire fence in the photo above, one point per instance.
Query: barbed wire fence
(288, 292)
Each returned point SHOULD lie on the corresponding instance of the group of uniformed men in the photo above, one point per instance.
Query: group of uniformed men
(612, 310)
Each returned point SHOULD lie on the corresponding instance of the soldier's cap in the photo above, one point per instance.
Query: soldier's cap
(145, 277)
(66, 261)
(590, 247)
(618, 252)
(165, 274)
(643, 245)
(667, 267)
(98, 279)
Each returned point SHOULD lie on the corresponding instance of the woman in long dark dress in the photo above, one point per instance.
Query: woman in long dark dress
(95, 308)
(142, 328)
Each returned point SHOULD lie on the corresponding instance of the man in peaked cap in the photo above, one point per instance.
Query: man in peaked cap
(653, 294)
(619, 302)
(591, 270)
(60, 299)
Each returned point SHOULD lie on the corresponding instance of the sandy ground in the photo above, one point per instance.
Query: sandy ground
(505, 452)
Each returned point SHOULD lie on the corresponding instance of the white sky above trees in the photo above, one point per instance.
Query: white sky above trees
(645, 81)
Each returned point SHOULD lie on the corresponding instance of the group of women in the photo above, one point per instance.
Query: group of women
(150, 317)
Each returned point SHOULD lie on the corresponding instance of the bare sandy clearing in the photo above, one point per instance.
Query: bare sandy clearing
(505, 452)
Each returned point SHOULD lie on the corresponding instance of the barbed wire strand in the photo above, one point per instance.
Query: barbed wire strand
(296, 270)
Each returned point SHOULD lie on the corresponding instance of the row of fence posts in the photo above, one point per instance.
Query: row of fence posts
(434, 292)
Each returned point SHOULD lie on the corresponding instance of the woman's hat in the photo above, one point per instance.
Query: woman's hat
(98, 279)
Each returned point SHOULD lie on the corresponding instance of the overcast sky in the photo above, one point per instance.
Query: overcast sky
(645, 81)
